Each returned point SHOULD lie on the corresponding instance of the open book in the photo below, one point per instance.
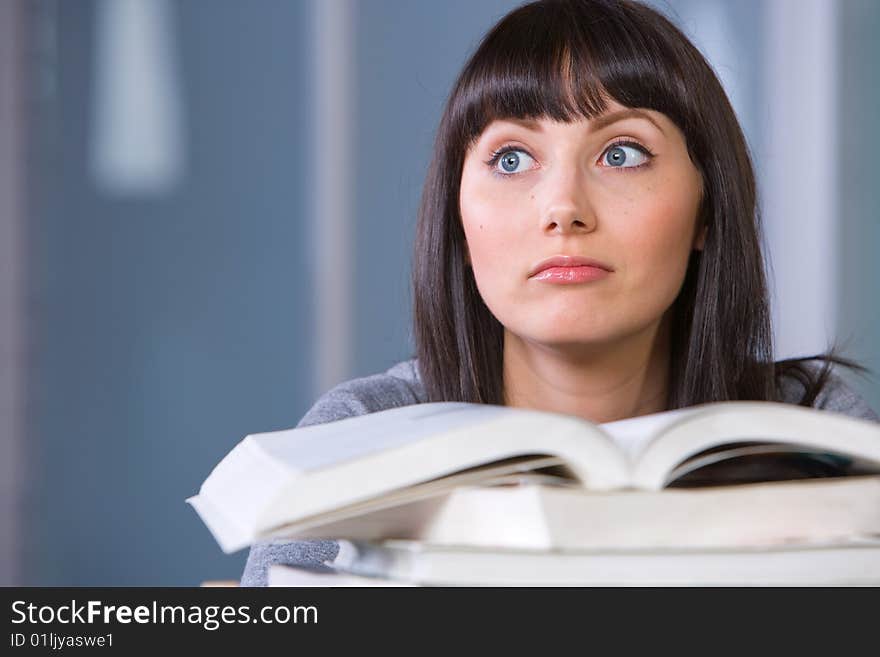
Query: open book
(291, 483)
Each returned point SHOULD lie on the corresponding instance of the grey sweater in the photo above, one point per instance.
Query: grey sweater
(401, 386)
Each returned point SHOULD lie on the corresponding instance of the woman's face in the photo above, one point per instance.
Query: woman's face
(619, 190)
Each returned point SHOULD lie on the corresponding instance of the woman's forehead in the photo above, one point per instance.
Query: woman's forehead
(614, 112)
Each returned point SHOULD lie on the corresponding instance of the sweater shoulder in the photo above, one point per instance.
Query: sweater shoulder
(399, 385)
(836, 395)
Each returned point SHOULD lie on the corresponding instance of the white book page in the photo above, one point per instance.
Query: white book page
(796, 427)
(633, 435)
(516, 470)
(315, 447)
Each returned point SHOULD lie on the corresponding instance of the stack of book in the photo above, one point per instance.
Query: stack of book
(730, 493)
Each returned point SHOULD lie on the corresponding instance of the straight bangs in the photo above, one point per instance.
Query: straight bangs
(578, 57)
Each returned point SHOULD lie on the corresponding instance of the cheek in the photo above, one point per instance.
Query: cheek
(485, 233)
(658, 238)
(491, 221)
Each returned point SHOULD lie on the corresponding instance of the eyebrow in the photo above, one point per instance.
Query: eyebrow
(600, 122)
(605, 120)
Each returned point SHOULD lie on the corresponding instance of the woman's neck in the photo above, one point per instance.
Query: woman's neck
(601, 384)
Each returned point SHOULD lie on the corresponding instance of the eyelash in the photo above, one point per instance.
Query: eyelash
(620, 142)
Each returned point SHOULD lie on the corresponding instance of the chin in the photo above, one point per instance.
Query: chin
(556, 337)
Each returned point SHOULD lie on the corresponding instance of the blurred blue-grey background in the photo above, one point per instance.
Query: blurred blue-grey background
(206, 211)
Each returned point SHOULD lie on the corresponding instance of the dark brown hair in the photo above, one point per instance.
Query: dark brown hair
(562, 59)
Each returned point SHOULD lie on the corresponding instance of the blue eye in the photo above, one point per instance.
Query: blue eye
(625, 156)
(510, 161)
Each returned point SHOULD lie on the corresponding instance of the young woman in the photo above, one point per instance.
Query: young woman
(588, 239)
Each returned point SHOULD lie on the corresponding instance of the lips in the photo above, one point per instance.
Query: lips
(568, 261)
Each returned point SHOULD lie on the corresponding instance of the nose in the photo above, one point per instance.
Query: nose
(567, 207)
(567, 222)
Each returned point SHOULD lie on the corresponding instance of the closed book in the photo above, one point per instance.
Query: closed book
(854, 563)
